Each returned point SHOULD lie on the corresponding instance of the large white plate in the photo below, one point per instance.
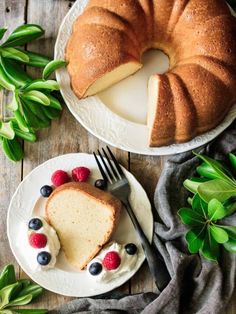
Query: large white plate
(63, 279)
(118, 115)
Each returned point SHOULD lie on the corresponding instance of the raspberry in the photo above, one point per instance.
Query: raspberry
(60, 177)
(37, 240)
(80, 174)
(111, 260)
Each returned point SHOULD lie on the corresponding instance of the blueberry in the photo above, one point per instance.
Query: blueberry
(95, 268)
(35, 224)
(131, 248)
(46, 190)
(44, 258)
(101, 184)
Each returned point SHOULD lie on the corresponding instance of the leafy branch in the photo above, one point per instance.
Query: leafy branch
(17, 292)
(216, 180)
(214, 199)
(34, 102)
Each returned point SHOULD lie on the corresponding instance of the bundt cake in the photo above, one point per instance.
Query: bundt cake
(199, 36)
(84, 218)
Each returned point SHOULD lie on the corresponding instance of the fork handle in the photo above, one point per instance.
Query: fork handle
(155, 262)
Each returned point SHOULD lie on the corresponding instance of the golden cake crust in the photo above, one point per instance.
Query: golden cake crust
(196, 93)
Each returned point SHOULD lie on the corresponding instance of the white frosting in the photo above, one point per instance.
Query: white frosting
(127, 263)
(52, 246)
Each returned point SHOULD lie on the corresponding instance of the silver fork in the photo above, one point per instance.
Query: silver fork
(118, 185)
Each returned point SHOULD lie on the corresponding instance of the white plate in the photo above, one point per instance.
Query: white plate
(63, 279)
(118, 115)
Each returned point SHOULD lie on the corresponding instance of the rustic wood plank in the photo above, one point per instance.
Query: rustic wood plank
(11, 15)
(66, 135)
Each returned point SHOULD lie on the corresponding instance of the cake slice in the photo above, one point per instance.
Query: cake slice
(105, 54)
(84, 218)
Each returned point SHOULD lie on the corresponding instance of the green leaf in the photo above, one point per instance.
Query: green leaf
(20, 118)
(37, 109)
(210, 249)
(13, 53)
(51, 113)
(2, 32)
(5, 294)
(196, 202)
(26, 299)
(4, 80)
(217, 188)
(36, 60)
(23, 34)
(190, 217)
(31, 311)
(207, 171)
(5, 311)
(193, 183)
(6, 130)
(12, 149)
(54, 102)
(190, 201)
(27, 136)
(230, 205)
(216, 210)
(198, 179)
(219, 234)
(40, 84)
(232, 159)
(231, 230)
(15, 73)
(16, 291)
(36, 96)
(230, 245)
(51, 67)
(25, 282)
(7, 276)
(217, 167)
(33, 289)
(32, 120)
(21, 121)
(204, 206)
(199, 206)
(195, 239)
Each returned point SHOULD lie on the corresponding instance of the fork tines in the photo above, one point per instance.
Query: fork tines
(110, 170)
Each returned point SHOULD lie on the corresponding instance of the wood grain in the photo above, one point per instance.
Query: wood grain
(65, 136)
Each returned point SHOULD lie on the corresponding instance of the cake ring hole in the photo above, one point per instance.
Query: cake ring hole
(129, 97)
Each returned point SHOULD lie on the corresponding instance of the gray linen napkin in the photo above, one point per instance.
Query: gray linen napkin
(197, 286)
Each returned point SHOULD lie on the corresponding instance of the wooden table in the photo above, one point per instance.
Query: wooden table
(65, 136)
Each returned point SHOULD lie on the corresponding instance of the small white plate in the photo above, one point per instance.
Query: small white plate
(27, 202)
(118, 115)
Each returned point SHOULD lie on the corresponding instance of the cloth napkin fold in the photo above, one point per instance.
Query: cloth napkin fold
(197, 285)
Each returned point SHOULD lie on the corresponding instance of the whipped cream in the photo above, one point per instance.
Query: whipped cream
(52, 246)
(127, 263)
